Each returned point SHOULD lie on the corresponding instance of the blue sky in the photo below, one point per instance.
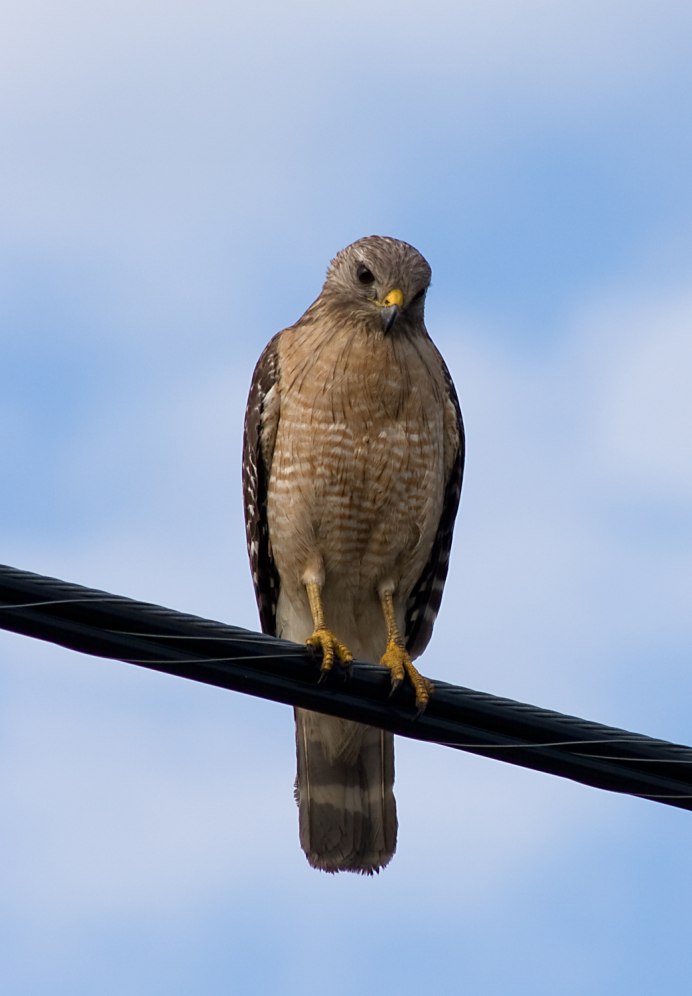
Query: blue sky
(173, 182)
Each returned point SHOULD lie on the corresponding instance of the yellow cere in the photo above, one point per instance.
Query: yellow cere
(394, 297)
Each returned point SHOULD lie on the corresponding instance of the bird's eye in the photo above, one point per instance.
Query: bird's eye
(419, 296)
(365, 276)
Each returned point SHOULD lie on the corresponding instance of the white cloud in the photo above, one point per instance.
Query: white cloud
(147, 120)
(641, 355)
(572, 565)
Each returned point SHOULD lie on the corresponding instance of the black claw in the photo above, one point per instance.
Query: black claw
(396, 682)
(345, 670)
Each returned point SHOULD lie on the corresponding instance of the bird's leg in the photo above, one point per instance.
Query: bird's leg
(322, 638)
(397, 658)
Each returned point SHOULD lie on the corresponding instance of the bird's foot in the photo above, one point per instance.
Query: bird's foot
(332, 649)
(399, 662)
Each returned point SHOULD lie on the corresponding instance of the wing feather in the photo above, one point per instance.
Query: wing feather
(424, 601)
(261, 421)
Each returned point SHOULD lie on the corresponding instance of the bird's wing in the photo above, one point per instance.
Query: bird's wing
(261, 422)
(424, 601)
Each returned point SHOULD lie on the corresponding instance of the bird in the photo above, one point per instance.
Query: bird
(353, 457)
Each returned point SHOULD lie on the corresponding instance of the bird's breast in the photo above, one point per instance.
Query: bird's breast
(357, 472)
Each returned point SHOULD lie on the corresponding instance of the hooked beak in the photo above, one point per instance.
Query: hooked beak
(391, 306)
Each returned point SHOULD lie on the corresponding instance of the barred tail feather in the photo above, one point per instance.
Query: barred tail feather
(344, 791)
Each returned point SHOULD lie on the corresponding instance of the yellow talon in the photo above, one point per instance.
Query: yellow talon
(399, 662)
(397, 658)
(323, 639)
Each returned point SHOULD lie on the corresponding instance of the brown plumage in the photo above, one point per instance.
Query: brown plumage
(352, 466)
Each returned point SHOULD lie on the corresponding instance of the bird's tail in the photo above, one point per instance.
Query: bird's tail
(344, 791)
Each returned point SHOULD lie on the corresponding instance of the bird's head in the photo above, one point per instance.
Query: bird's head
(379, 281)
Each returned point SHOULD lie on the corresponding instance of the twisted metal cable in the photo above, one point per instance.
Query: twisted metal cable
(118, 628)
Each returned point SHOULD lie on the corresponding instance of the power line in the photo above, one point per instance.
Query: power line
(112, 626)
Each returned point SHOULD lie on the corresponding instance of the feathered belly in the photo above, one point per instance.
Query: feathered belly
(367, 503)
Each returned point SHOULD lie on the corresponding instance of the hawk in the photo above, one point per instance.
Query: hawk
(352, 465)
